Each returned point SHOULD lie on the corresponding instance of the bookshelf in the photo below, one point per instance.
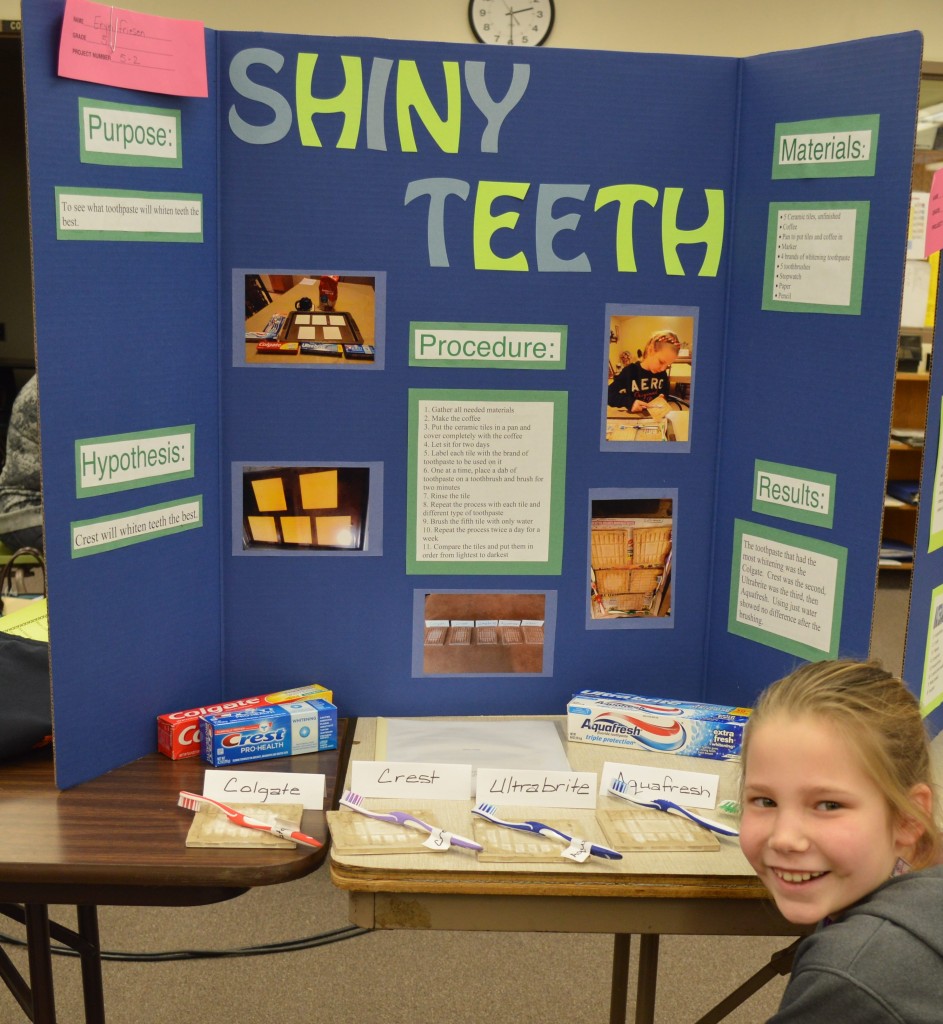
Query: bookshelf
(904, 462)
(911, 389)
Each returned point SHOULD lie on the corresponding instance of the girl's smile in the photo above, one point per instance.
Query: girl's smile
(816, 827)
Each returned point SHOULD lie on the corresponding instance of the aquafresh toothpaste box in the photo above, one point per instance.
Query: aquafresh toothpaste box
(178, 732)
(651, 723)
(301, 727)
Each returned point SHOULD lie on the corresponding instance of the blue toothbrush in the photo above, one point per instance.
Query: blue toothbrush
(618, 788)
(488, 811)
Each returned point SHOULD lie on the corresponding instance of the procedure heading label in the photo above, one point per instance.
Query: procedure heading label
(522, 346)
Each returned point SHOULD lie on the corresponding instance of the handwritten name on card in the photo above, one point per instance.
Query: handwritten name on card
(934, 239)
(690, 789)
(542, 789)
(411, 779)
(105, 44)
(265, 788)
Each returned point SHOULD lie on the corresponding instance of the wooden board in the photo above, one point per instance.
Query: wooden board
(211, 828)
(353, 833)
(507, 845)
(643, 831)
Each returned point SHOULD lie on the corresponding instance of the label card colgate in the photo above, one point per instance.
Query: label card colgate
(237, 787)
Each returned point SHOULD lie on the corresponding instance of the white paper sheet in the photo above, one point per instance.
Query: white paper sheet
(522, 743)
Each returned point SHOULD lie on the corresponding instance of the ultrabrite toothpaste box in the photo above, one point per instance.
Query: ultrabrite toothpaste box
(178, 732)
(302, 727)
(650, 723)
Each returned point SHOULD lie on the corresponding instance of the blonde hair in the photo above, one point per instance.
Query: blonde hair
(879, 718)
(659, 340)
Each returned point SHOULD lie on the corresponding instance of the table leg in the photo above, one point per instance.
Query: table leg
(620, 978)
(40, 963)
(779, 963)
(90, 956)
(647, 980)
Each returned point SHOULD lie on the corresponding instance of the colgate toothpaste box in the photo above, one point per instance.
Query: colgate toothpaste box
(178, 732)
(651, 723)
(302, 727)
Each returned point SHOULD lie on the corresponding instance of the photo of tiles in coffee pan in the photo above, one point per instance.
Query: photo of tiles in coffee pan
(303, 508)
(484, 633)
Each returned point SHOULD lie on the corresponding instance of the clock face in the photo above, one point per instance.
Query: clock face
(518, 23)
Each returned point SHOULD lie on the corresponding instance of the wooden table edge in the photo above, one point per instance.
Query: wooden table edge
(356, 878)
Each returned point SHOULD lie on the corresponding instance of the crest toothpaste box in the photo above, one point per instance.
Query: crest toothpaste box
(302, 727)
(178, 732)
(651, 723)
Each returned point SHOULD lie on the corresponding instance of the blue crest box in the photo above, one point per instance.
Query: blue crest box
(301, 727)
(652, 723)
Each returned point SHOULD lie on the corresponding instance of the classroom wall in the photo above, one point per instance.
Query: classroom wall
(733, 28)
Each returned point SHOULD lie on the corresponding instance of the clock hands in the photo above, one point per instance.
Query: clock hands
(512, 18)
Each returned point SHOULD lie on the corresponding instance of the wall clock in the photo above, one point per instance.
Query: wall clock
(521, 23)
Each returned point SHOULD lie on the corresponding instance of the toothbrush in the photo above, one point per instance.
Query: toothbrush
(488, 811)
(618, 788)
(193, 802)
(355, 802)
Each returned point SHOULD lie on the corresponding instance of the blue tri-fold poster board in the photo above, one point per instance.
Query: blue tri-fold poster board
(461, 378)
(923, 655)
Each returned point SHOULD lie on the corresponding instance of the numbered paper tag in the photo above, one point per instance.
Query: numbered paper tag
(438, 840)
(578, 850)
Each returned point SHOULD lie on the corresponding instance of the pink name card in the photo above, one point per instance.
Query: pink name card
(108, 45)
(934, 242)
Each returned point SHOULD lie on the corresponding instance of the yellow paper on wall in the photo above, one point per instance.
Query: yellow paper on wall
(334, 531)
(270, 494)
(263, 529)
(931, 293)
(319, 490)
(296, 529)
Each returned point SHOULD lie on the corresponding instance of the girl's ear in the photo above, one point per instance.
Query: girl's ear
(909, 829)
(922, 796)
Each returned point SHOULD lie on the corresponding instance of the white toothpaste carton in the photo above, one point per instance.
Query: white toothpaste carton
(712, 731)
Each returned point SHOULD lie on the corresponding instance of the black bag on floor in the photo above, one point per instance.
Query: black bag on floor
(25, 703)
(30, 560)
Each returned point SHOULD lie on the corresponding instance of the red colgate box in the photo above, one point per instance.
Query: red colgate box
(178, 733)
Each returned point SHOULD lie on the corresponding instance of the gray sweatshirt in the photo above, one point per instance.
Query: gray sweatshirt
(880, 962)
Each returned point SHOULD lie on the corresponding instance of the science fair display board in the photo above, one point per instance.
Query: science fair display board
(455, 377)
(923, 652)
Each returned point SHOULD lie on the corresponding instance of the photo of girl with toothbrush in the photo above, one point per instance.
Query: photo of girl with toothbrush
(838, 821)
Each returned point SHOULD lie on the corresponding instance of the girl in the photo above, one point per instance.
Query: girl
(638, 384)
(838, 822)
